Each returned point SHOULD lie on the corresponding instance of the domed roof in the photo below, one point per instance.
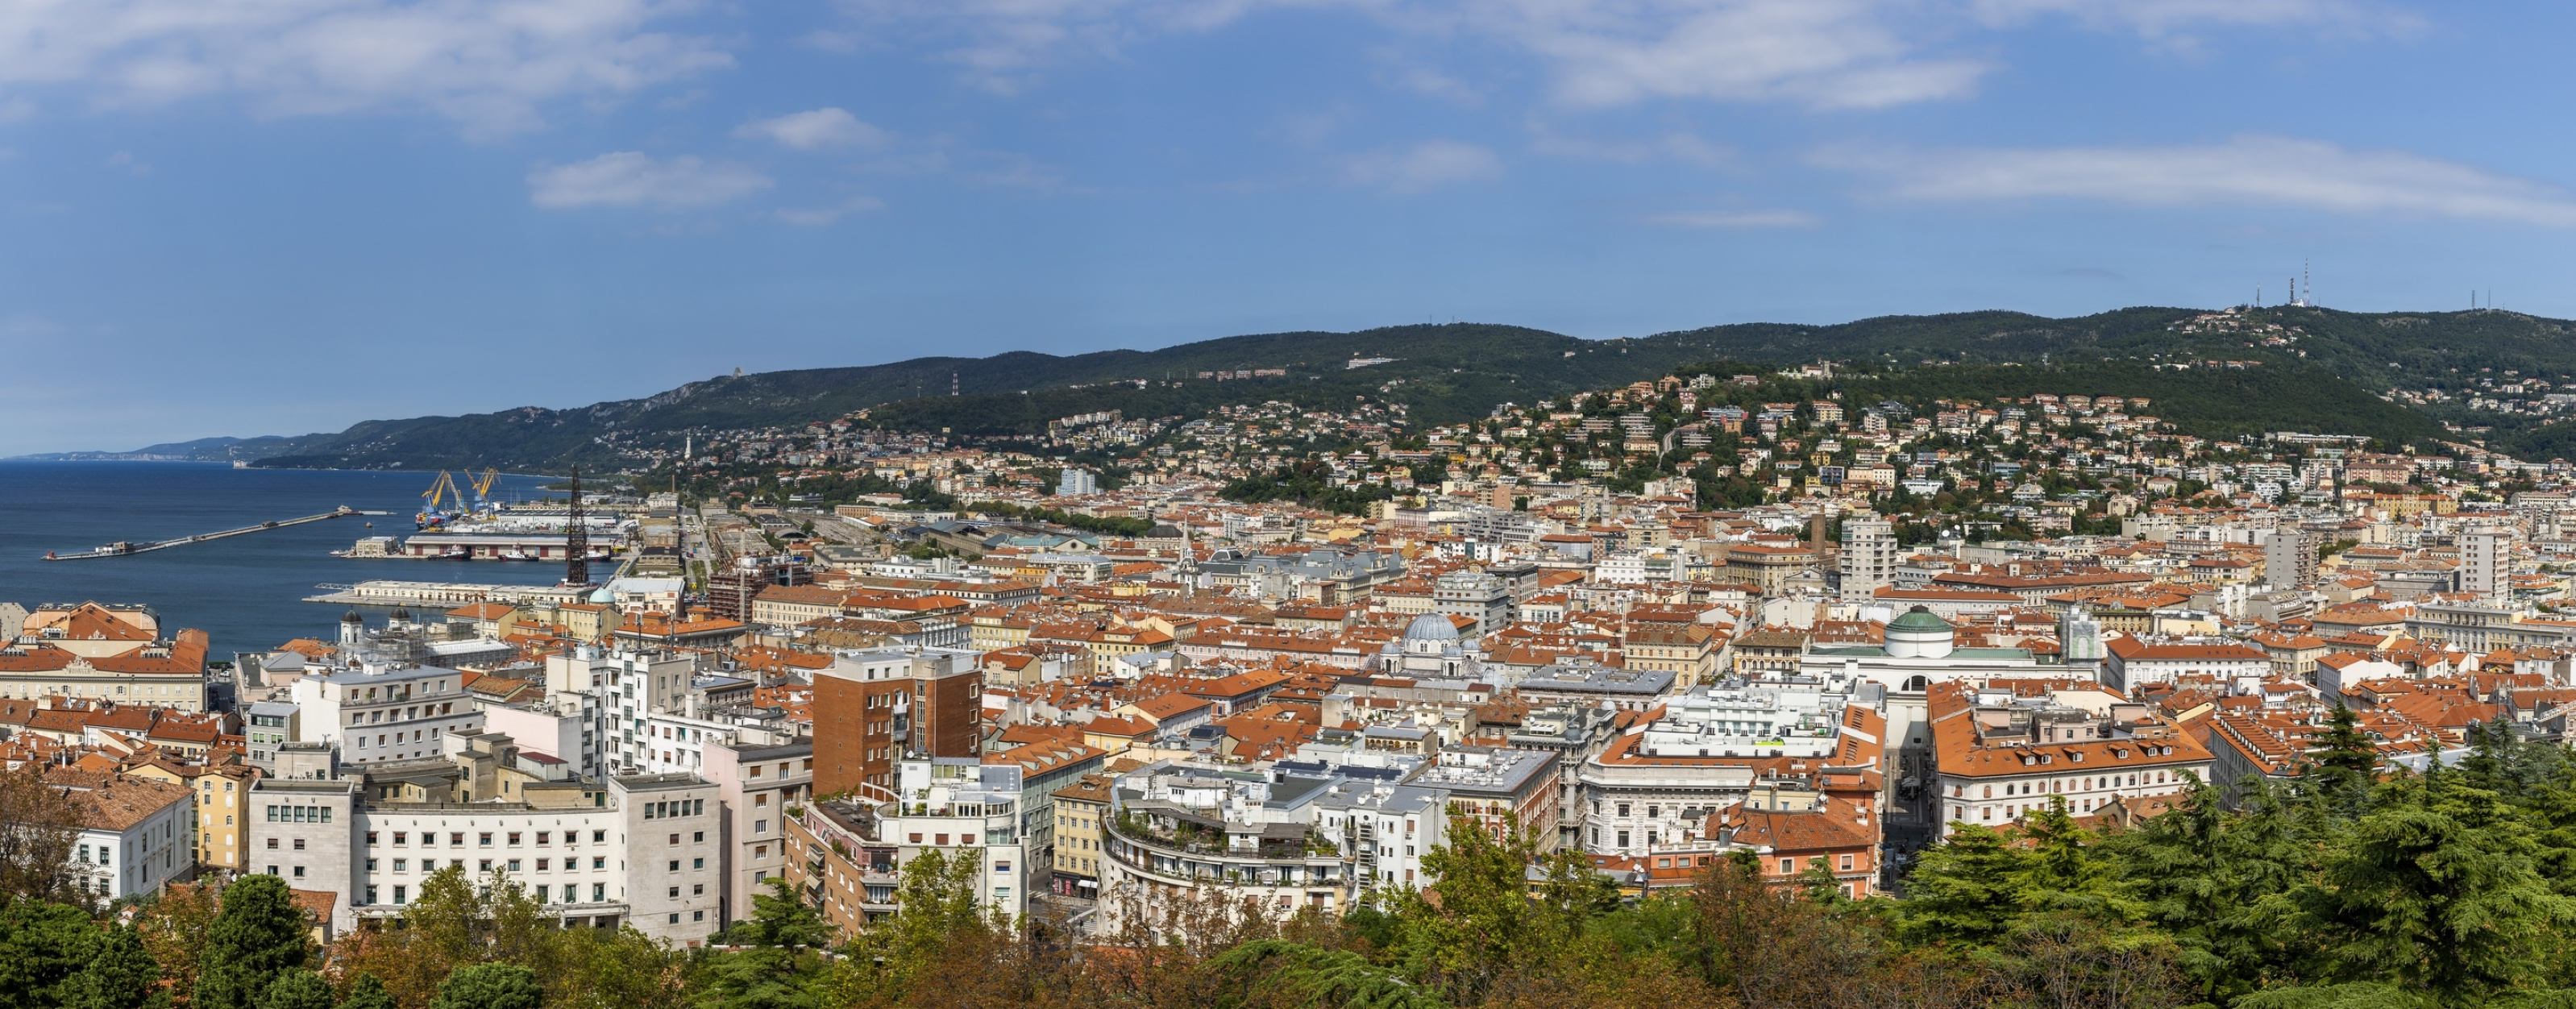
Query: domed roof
(399, 615)
(1431, 627)
(1920, 621)
(603, 596)
(352, 617)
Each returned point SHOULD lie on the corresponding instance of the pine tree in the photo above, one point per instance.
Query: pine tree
(1965, 890)
(367, 993)
(490, 986)
(297, 988)
(2346, 764)
(259, 933)
(119, 974)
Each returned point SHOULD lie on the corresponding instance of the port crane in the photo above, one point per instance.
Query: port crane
(443, 490)
(483, 488)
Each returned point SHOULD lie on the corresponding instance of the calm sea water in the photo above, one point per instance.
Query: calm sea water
(247, 592)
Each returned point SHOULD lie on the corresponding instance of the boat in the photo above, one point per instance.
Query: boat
(457, 554)
(516, 554)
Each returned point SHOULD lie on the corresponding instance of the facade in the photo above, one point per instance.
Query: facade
(1080, 808)
(874, 709)
(96, 652)
(135, 834)
(640, 851)
(1280, 841)
(759, 787)
(379, 713)
(1494, 788)
(1868, 560)
(847, 855)
(2002, 756)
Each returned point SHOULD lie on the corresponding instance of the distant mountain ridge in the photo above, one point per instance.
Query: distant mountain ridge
(1444, 372)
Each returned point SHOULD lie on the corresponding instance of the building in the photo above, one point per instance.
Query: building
(874, 709)
(1869, 557)
(2131, 663)
(2290, 559)
(757, 785)
(380, 712)
(1498, 789)
(99, 652)
(641, 851)
(135, 834)
(1076, 483)
(1079, 809)
(2486, 564)
(848, 854)
(2002, 756)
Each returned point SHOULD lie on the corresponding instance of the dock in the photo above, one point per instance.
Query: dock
(445, 594)
(123, 548)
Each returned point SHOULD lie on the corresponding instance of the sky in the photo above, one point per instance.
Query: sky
(244, 217)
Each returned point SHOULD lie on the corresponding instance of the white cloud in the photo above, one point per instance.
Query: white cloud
(633, 179)
(824, 127)
(1819, 53)
(1422, 166)
(2265, 171)
(1686, 148)
(1726, 220)
(488, 64)
(815, 217)
(2161, 18)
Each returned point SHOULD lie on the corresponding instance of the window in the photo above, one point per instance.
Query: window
(599, 862)
(544, 863)
(1623, 809)
(697, 863)
(697, 916)
(402, 837)
(598, 892)
(543, 835)
(272, 845)
(402, 864)
(299, 872)
(514, 838)
(1847, 863)
(456, 839)
(299, 844)
(485, 867)
(371, 865)
(760, 851)
(760, 826)
(371, 838)
(514, 865)
(598, 836)
(1623, 839)
(400, 892)
(485, 837)
(675, 865)
(1788, 865)
(699, 837)
(675, 893)
(698, 890)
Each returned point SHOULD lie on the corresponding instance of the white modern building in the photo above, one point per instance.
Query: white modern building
(376, 713)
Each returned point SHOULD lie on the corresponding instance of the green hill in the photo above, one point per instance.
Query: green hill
(1450, 372)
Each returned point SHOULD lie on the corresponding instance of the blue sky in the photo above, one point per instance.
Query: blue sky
(279, 216)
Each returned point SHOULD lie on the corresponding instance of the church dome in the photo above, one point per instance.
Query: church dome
(1919, 635)
(603, 596)
(352, 617)
(1431, 627)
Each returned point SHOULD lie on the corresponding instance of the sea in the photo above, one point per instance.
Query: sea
(247, 592)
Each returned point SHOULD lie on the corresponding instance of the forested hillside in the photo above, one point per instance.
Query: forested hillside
(1449, 372)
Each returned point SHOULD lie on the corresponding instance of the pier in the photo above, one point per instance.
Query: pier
(447, 594)
(123, 548)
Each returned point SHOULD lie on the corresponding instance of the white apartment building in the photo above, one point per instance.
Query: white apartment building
(377, 713)
(135, 835)
(643, 851)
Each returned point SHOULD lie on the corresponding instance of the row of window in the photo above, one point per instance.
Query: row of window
(485, 865)
(681, 807)
(456, 839)
(299, 814)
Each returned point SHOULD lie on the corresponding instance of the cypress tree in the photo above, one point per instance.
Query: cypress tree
(258, 934)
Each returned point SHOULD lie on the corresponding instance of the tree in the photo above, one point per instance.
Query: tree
(367, 993)
(258, 933)
(1965, 890)
(173, 925)
(2346, 763)
(780, 966)
(297, 988)
(36, 853)
(2438, 892)
(490, 986)
(43, 946)
(119, 974)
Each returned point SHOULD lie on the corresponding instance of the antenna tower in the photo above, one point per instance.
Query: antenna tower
(576, 539)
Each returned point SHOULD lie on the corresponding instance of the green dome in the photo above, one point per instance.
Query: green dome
(1919, 620)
